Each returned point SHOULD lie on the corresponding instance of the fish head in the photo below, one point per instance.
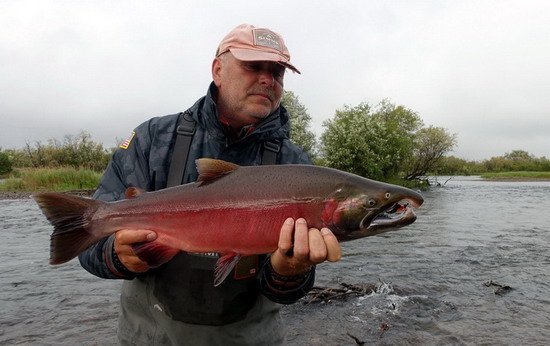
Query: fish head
(353, 212)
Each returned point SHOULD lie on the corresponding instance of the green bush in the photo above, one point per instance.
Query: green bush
(5, 163)
(78, 151)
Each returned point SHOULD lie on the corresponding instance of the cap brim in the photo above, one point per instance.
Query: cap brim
(256, 55)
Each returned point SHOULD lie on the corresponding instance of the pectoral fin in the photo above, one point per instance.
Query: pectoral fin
(224, 266)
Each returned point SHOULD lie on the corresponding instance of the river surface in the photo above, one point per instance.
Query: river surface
(473, 269)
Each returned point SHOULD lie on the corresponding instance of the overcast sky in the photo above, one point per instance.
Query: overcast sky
(481, 69)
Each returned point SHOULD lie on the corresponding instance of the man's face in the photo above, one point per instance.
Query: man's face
(248, 90)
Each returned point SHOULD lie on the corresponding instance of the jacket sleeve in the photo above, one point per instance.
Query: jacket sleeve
(285, 292)
(128, 167)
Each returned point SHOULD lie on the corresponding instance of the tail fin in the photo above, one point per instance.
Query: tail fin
(70, 217)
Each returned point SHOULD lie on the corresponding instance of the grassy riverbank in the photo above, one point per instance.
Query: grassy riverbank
(51, 179)
(521, 175)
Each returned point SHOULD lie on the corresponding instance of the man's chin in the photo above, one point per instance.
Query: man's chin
(260, 113)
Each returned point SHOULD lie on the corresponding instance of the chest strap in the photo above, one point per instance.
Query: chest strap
(185, 132)
(270, 151)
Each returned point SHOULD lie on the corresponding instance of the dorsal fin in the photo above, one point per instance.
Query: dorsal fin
(133, 192)
(212, 169)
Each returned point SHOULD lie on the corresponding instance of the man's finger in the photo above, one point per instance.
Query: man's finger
(129, 237)
(317, 247)
(301, 240)
(334, 252)
(286, 236)
(124, 239)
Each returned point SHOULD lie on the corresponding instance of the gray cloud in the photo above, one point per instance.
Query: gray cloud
(478, 68)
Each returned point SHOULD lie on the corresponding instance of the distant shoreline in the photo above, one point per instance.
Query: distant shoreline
(512, 180)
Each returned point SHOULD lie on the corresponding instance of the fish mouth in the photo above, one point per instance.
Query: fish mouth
(395, 215)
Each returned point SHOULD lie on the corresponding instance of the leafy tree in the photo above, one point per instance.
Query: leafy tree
(371, 142)
(496, 164)
(518, 156)
(516, 160)
(400, 125)
(521, 160)
(543, 164)
(345, 141)
(5, 163)
(300, 122)
(431, 143)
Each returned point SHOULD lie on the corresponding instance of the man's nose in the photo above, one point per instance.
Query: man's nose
(266, 78)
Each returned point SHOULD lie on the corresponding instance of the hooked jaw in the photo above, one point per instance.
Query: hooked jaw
(398, 215)
(394, 216)
(356, 215)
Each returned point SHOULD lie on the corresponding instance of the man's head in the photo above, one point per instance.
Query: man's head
(249, 71)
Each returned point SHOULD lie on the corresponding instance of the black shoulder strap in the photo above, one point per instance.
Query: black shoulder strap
(185, 130)
(271, 149)
(180, 154)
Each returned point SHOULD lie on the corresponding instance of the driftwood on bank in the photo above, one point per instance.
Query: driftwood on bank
(328, 294)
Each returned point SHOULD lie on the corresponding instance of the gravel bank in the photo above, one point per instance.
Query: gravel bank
(28, 194)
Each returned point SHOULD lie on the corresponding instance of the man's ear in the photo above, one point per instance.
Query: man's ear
(217, 71)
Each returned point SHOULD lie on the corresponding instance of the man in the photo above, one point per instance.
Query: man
(177, 302)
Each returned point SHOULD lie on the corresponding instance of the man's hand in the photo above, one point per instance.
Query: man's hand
(301, 247)
(123, 248)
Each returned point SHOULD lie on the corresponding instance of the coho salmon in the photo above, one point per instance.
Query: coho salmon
(231, 210)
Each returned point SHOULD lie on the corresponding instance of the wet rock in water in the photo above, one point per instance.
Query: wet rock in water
(356, 339)
(499, 289)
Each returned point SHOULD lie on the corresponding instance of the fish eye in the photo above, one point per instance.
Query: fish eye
(387, 195)
(371, 202)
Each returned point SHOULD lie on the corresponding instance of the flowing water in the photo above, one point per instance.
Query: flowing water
(473, 269)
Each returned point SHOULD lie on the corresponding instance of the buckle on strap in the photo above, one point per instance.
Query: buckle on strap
(187, 126)
(273, 146)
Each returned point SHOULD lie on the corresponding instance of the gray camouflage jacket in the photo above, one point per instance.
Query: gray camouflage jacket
(177, 302)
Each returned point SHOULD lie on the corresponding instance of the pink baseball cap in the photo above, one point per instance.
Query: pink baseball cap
(248, 43)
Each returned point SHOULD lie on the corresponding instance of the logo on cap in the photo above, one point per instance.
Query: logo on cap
(267, 38)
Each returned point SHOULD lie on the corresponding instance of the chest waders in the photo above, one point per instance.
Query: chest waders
(184, 285)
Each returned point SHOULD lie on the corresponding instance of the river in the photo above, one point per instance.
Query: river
(473, 269)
